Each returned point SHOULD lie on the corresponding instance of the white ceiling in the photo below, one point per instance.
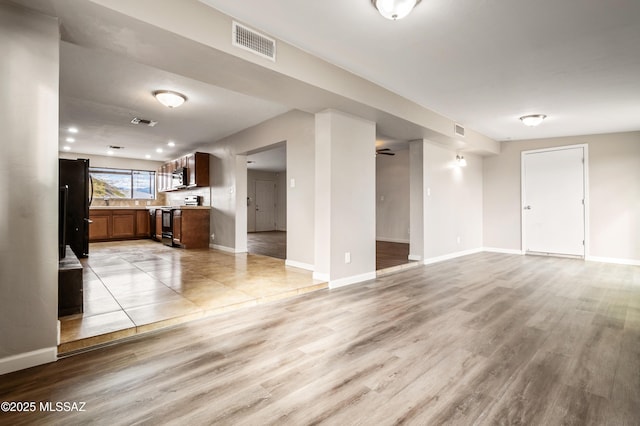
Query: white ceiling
(271, 160)
(101, 92)
(482, 63)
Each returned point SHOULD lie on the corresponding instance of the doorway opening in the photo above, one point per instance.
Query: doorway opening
(267, 201)
(392, 203)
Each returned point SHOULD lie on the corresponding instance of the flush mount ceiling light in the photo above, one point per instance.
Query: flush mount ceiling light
(395, 9)
(532, 120)
(169, 99)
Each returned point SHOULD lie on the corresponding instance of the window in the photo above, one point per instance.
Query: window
(123, 183)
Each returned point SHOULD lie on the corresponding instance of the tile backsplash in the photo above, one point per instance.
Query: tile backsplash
(174, 198)
(159, 201)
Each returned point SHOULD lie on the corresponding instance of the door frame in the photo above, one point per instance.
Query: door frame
(585, 171)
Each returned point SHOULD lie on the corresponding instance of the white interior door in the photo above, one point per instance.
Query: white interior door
(265, 206)
(553, 201)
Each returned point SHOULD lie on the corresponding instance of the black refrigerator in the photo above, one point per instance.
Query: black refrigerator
(74, 174)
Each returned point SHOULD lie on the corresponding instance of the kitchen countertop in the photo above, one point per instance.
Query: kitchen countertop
(146, 207)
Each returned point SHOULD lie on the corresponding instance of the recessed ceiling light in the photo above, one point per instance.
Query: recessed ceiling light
(73, 129)
(147, 156)
(110, 152)
(66, 148)
(70, 140)
(169, 99)
(159, 150)
(171, 143)
(533, 119)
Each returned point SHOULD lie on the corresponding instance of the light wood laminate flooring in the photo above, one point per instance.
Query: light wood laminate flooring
(485, 339)
(131, 287)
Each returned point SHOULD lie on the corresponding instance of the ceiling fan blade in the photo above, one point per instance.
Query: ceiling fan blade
(387, 153)
(383, 149)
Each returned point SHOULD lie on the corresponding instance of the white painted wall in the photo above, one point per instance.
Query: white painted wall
(229, 189)
(29, 47)
(614, 189)
(345, 198)
(453, 204)
(416, 200)
(392, 197)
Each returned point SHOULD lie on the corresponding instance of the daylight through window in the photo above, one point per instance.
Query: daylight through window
(123, 183)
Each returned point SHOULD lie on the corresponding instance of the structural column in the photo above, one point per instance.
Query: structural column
(416, 200)
(345, 222)
(29, 47)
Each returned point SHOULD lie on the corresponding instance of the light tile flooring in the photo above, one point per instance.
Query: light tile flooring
(137, 286)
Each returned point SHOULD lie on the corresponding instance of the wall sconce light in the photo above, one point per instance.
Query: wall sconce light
(461, 161)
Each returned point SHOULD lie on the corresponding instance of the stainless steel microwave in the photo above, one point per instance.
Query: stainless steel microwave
(179, 177)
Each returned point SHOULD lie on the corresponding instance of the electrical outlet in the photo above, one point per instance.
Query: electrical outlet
(347, 257)
(213, 236)
(293, 183)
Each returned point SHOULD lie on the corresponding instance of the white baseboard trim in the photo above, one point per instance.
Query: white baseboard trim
(392, 240)
(28, 359)
(414, 257)
(320, 276)
(632, 262)
(352, 280)
(451, 256)
(300, 265)
(501, 250)
(227, 249)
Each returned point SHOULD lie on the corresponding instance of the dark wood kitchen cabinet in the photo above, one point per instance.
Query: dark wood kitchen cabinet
(143, 224)
(191, 228)
(100, 226)
(118, 224)
(197, 165)
(198, 168)
(158, 224)
(123, 224)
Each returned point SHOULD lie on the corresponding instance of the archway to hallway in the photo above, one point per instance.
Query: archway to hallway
(267, 201)
(392, 203)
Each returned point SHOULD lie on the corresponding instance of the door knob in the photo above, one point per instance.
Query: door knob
(527, 207)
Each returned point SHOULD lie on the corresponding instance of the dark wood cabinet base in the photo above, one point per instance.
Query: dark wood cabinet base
(70, 288)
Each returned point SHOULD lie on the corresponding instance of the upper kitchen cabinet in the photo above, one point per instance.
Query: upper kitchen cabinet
(189, 171)
(198, 169)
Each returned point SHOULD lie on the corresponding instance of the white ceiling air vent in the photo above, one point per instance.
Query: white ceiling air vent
(458, 129)
(150, 123)
(248, 39)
